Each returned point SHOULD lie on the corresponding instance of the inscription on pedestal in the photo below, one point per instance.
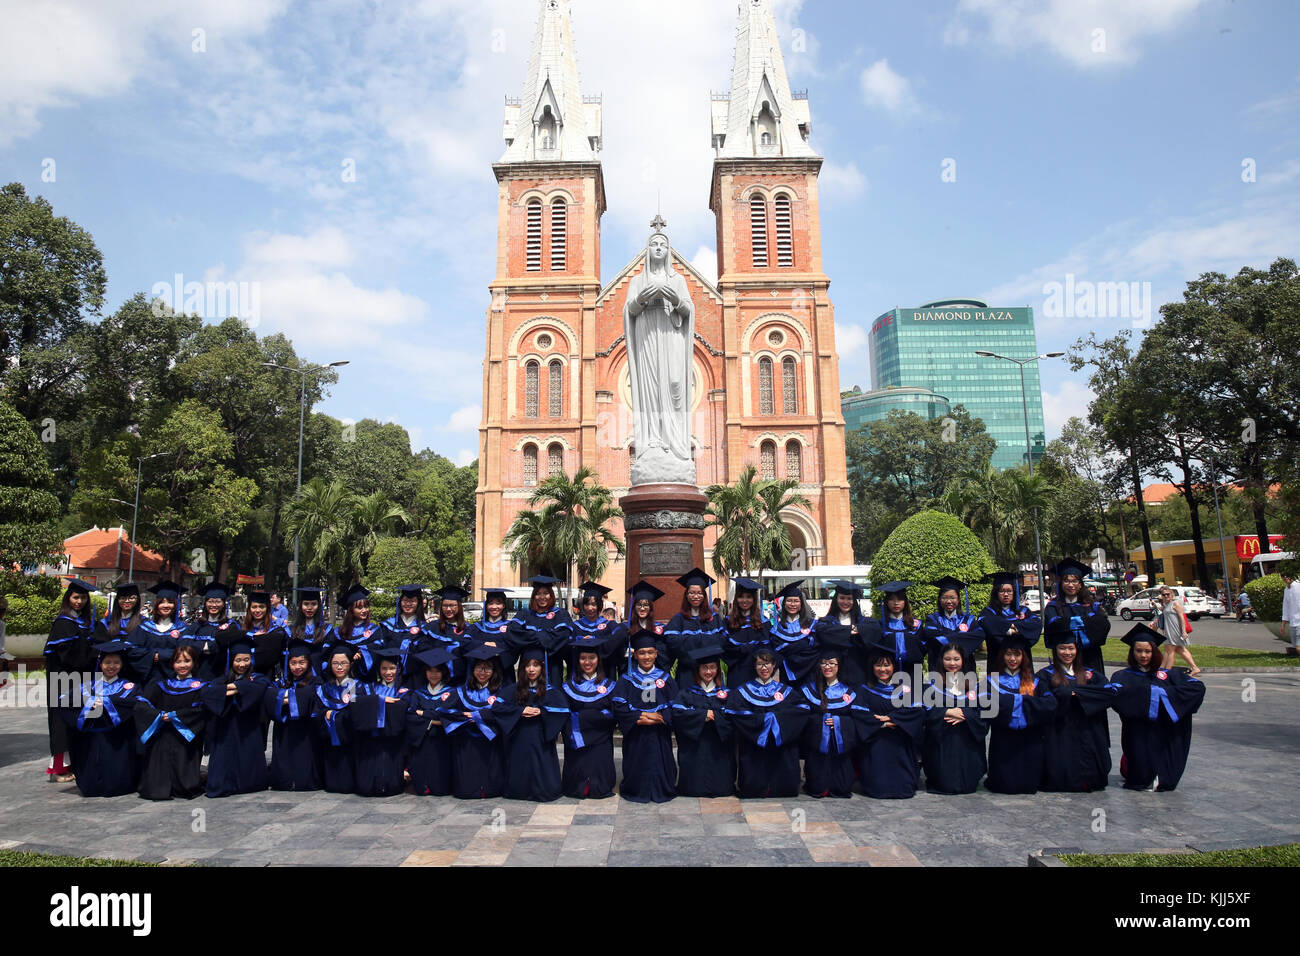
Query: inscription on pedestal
(670, 557)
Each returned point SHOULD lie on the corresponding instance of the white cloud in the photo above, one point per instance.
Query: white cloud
(705, 261)
(464, 457)
(842, 181)
(1070, 399)
(1086, 33)
(326, 246)
(465, 418)
(886, 89)
(1282, 174)
(850, 339)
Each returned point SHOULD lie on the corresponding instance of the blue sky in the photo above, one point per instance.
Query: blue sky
(337, 154)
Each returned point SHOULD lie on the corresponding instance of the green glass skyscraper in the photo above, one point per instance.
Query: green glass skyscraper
(934, 347)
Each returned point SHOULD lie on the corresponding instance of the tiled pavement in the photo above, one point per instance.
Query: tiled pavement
(1239, 789)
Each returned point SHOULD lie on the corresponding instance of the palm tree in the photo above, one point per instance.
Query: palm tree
(593, 560)
(322, 520)
(373, 517)
(569, 529)
(526, 539)
(748, 515)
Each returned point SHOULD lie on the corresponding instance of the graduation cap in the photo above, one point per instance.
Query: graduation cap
(1141, 632)
(1017, 640)
(434, 657)
(387, 652)
(453, 592)
(587, 642)
(831, 650)
(885, 647)
(793, 589)
(215, 589)
(644, 638)
(297, 647)
(645, 591)
(310, 592)
(542, 581)
(484, 652)
(237, 643)
(895, 587)
(589, 589)
(1071, 566)
(706, 654)
(747, 584)
(846, 587)
(259, 597)
(490, 593)
(112, 647)
(695, 576)
(949, 583)
(127, 589)
(411, 590)
(1057, 632)
(80, 586)
(532, 653)
(352, 595)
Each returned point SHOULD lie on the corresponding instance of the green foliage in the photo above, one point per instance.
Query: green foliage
(32, 614)
(1002, 507)
(29, 512)
(569, 531)
(1266, 596)
(1287, 854)
(399, 561)
(930, 545)
(16, 584)
(753, 534)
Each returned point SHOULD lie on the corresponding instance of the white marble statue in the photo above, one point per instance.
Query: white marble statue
(659, 325)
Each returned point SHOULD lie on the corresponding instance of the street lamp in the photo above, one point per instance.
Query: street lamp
(302, 415)
(1029, 451)
(139, 471)
(1223, 553)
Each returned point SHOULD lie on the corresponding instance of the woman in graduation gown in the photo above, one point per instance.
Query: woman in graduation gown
(332, 717)
(590, 622)
(543, 625)
(831, 735)
(268, 638)
(746, 632)
(472, 720)
(123, 624)
(706, 754)
(309, 624)
(68, 653)
(171, 719)
(1077, 742)
(210, 633)
(1018, 724)
(844, 628)
(1155, 707)
(1006, 615)
(236, 728)
(643, 701)
(641, 619)
(588, 770)
(428, 749)
(891, 724)
(493, 625)
(1078, 606)
(899, 628)
(101, 730)
(951, 623)
(794, 635)
(956, 728)
(359, 632)
(448, 629)
(150, 658)
(295, 743)
(531, 717)
(409, 623)
(379, 727)
(767, 722)
(696, 624)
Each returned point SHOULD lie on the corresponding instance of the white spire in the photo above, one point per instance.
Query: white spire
(760, 117)
(552, 120)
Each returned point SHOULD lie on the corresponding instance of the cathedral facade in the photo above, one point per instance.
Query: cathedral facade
(555, 378)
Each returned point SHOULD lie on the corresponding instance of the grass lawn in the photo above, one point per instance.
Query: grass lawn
(17, 858)
(1288, 854)
(1208, 655)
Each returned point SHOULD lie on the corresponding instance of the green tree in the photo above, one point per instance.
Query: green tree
(752, 534)
(373, 518)
(927, 546)
(570, 526)
(322, 520)
(29, 511)
(399, 561)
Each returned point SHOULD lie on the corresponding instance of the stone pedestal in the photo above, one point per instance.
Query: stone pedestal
(664, 528)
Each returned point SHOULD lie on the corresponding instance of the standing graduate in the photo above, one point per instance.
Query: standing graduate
(746, 632)
(542, 625)
(1076, 604)
(295, 743)
(359, 632)
(892, 726)
(794, 635)
(591, 622)
(236, 728)
(332, 717)
(952, 623)
(696, 624)
(845, 629)
(123, 624)
(150, 658)
(1006, 615)
(1077, 741)
(170, 719)
(1155, 707)
(493, 625)
(212, 622)
(101, 728)
(309, 624)
(589, 734)
(379, 726)
(643, 701)
(472, 720)
(952, 751)
(706, 755)
(448, 629)
(899, 628)
(267, 635)
(68, 654)
(767, 722)
(1016, 739)
(641, 619)
(428, 749)
(531, 717)
(831, 735)
(409, 624)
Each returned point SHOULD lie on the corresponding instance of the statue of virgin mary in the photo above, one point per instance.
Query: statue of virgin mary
(659, 325)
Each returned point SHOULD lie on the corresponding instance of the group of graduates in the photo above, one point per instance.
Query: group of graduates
(758, 708)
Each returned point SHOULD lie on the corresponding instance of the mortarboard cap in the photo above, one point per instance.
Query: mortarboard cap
(542, 581)
(167, 589)
(793, 589)
(354, 594)
(453, 592)
(894, 587)
(1071, 566)
(127, 589)
(260, 597)
(695, 576)
(706, 654)
(645, 591)
(949, 583)
(112, 647)
(434, 657)
(488, 651)
(747, 584)
(215, 589)
(592, 589)
(644, 638)
(1141, 632)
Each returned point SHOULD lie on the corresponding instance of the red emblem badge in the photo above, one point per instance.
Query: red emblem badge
(659, 628)
(963, 627)
(491, 701)
(778, 697)
(659, 682)
(722, 695)
(445, 695)
(174, 635)
(600, 626)
(414, 630)
(1088, 675)
(223, 626)
(196, 683)
(127, 686)
(347, 698)
(600, 689)
(550, 614)
(502, 628)
(804, 631)
(1163, 675)
(846, 698)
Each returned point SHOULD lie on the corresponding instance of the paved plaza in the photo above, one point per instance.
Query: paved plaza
(1239, 790)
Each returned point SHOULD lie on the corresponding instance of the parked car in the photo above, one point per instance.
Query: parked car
(1216, 608)
(1144, 605)
(1033, 600)
(473, 611)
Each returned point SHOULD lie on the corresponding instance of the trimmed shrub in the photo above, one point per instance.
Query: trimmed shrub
(930, 545)
(1266, 596)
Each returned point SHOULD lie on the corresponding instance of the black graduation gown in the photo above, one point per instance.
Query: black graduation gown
(295, 742)
(847, 640)
(738, 646)
(953, 754)
(589, 739)
(102, 737)
(828, 766)
(209, 643)
(907, 642)
(684, 633)
(887, 764)
(706, 754)
(236, 736)
(152, 641)
(938, 632)
(1155, 711)
(136, 658)
(532, 765)
(649, 770)
(767, 723)
(795, 647)
(550, 631)
(360, 646)
(455, 642)
(332, 718)
(1090, 625)
(995, 623)
(478, 634)
(478, 757)
(613, 638)
(1076, 743)
(379, 728)
(428, 749)
(173, 749)
(1016, 739)
(68, 655)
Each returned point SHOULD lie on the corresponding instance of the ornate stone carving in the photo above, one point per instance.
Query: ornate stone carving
(663, 520)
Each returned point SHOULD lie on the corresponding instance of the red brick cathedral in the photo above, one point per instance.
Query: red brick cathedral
(555, 378)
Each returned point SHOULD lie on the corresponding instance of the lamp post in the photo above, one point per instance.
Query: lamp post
(1218, 517)
(302, 415)
(139, 472)
(1029, 451)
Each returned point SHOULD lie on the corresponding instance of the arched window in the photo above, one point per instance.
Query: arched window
(555, 459)
(765, 406)
(767, 460)
(557, 235)
(530, 464)
(793, 460)
(784, 233)
(789, 393)
(765, 139)
(554, 388)
(546, 129)
(758, 229)
(531, 372)
(533, 257)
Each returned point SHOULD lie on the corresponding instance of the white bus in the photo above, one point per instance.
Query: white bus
(815, 583)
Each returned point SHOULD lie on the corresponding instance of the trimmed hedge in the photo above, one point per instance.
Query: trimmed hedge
(930, 545)
(35, 615)
(1266, 596)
